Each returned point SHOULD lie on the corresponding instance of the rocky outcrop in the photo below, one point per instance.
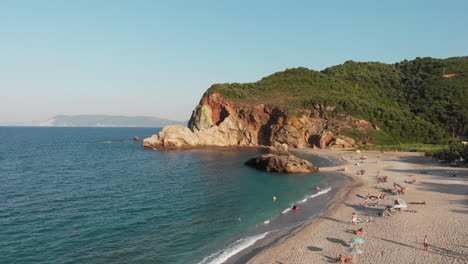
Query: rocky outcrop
(217, 121)
(342, 142)
(136, 138)
(277, 163)
(326, 139)
(278, 148)
(322, 140)
(172, 137)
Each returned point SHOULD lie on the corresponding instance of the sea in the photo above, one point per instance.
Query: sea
(94, 195)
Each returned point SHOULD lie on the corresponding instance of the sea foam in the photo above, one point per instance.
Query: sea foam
(223, 255)
(308, 197)
(315, 195)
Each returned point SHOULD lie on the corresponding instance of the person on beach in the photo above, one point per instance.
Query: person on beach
(354, 219)
(426, 244)
(359, 231)
(295, 208)
(341, 259)
(387, 210)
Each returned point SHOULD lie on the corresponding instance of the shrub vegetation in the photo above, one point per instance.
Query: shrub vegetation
(410, 101)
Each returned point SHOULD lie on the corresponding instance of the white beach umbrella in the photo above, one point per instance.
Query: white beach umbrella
(355, 250)
(357, 240)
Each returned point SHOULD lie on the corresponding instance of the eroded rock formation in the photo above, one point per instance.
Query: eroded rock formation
(217, 121)
(172, 137)
(281, 163)
(278, 148)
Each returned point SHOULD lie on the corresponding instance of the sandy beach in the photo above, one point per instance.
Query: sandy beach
(397, 238)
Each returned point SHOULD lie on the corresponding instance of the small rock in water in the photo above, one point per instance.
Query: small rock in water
(281, 163)
(136, 138)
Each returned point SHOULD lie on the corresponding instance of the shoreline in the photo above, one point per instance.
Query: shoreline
(249, 253)
(324, 237)
(273, 237)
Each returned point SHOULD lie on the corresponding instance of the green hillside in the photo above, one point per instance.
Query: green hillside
(410, 101)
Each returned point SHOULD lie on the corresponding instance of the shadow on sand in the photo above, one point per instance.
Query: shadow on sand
(364, 211)
(329, 259)
(332, 219)
(432, 248)
(315, 249)
(337, 241)
(442, 251)
(448, 188)
(463, 202)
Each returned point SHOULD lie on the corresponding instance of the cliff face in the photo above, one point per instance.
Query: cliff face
(217, 121)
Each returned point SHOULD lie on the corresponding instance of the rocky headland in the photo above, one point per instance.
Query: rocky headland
(348, 105)
(218, 121)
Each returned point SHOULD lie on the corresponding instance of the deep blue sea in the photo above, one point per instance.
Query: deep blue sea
(93, 195)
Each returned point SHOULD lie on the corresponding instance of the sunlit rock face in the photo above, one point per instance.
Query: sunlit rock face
(217, 121)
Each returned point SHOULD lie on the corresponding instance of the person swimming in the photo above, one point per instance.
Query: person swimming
(295, 208)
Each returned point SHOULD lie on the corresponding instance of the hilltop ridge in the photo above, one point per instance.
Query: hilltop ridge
(356, 103)
(410, 100)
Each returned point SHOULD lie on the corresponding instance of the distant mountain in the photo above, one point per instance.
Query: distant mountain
(109, 121)
(24, 123)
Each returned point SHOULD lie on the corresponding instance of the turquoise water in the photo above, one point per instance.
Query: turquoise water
(92, 195)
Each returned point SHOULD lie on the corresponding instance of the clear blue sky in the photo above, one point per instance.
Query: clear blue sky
(158, 57)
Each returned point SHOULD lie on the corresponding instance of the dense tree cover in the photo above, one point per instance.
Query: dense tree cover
(410, 101)
(454, 151)
(442, 101)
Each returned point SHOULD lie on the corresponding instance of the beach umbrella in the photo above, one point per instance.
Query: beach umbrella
(355, 250)
(357, 240)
